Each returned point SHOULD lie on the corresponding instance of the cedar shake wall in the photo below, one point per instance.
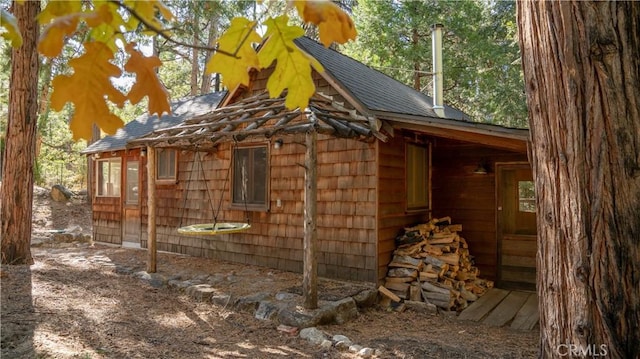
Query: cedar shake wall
(392, 200)
(470, 199)
(346, 209)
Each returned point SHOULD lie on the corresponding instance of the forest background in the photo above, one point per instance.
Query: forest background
(482, 69)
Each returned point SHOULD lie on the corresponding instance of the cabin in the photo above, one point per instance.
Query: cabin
(386, 157)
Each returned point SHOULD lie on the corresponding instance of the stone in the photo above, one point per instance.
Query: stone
(222, 300)
(326, 344)
(267, 311)
(286, 296)
(366, 298)
(157, 280)
(201, 292)
(343, 345)
(365, 352)
(142, 275)
(355, 348)
(59, 193)
(341, 338)
(251, 302)
(421, 307)
(313, 335)
(345, 310)
(288, 329)
(295, 318)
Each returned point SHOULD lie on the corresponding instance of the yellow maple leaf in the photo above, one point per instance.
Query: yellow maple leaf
(58, 8)
(87, 88)
(11, 33)
(106, 24)
(147, 10)
(238, 39)
(293, 67)
(333, 23)
(147, 81)
(53, 36)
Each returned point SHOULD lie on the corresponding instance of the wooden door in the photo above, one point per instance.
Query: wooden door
(131, 207)
(516, 227)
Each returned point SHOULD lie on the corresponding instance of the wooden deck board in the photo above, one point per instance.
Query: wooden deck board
(527, 316)
(483, 305)
(507, 309)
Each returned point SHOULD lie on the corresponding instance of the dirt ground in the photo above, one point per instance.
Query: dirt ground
(81, 301)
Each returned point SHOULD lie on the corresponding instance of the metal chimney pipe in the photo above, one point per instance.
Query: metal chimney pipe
(436, 48)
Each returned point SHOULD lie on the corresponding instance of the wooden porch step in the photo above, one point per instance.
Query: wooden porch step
(483, 305)
(507, 309)
(527, 316)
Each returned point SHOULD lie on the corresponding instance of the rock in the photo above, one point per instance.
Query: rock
(286, 296)
(365, 352)
(355, 348)
(201, 292)
(157, 280)
(267, 311)
(60, 194)
(366, 298)
(295, 318)
(326, 344)
(251, 302)
(341, 338)
(421, 307)
(342, 345)
(313, 335)
(288, 329)
(222, 300)
(344, 309)
(142, 275)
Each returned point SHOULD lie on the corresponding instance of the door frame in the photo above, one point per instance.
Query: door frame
(131, 207)
(499, 167)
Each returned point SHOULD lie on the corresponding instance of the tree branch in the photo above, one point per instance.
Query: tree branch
(162, 34)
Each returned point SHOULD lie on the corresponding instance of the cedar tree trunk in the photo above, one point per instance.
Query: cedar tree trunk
(17, 183)
(581, 63)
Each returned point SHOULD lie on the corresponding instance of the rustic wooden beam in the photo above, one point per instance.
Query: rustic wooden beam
(310, 275)
(151, 205)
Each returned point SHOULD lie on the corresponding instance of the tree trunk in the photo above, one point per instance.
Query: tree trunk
(582, 76)
(195, 54)
(17, 184)
(205, 86)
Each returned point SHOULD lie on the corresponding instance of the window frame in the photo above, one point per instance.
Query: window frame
(412, 204)
(172, 178)
(127, 200)
(249, 205)
(110, 160)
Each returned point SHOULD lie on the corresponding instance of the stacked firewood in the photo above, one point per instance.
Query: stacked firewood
(432, 264)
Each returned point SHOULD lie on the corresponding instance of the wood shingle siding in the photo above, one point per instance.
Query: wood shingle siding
(470, 199)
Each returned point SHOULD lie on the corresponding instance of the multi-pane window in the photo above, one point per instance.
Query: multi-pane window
(166, 164)
(132, 192)
(417, 177)
(250, 176)
(108, 178)
(526, 197)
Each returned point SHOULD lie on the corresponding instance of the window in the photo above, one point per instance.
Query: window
(250, 177)
(417, 177)
(526, 197)
(132, 192)
(108, 177)
(166, 164)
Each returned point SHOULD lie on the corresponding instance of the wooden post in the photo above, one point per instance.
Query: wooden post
(151, 207)
(310, 280)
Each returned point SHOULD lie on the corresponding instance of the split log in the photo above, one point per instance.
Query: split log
(400, 261)
(397, 287)
(387, 293)
(443, 238)
(400, 279)
(402, 272)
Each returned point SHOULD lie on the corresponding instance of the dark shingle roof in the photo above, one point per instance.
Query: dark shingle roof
(180, 110)
(372, 88)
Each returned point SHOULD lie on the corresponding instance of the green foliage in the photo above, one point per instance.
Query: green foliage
(482, 72)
